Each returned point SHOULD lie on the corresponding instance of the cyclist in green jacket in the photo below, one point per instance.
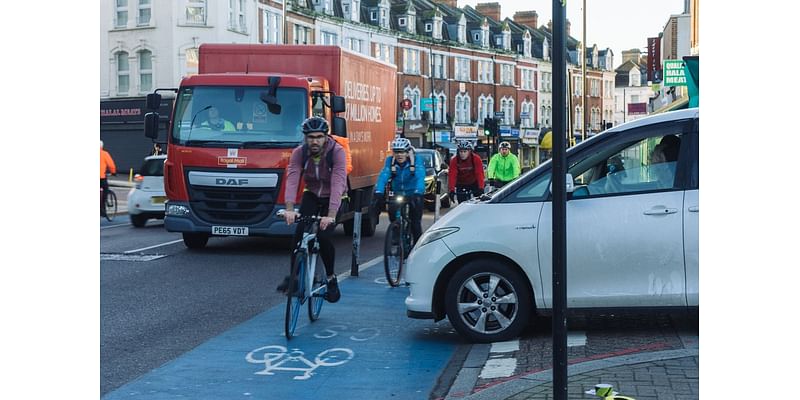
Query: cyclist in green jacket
(503, 167)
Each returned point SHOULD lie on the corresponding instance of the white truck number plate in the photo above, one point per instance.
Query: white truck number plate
(230, 230)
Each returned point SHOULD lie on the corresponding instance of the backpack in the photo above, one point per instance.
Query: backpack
(341, 141)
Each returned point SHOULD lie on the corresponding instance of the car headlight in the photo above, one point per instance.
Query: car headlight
(436, 234)
(177, 210)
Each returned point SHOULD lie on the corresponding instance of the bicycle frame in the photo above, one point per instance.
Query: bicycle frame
(310, 254)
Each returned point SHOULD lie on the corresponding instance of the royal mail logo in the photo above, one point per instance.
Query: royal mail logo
(232, 160)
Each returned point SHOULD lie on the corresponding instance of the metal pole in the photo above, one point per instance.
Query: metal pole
(433, 101)
(356, 234)
(559, 203)
(585, 78)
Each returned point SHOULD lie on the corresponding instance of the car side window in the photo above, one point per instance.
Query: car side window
(643, 165)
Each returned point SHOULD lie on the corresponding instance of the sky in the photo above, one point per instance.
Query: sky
(618, 24)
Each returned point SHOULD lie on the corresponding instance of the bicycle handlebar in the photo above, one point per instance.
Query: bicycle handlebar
(306, 218)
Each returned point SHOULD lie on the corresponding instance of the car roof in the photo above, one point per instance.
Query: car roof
(158, 157)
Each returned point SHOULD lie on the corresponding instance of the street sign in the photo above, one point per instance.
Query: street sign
(405, 104)
(499, 114)
(426, 104)
(674, 73)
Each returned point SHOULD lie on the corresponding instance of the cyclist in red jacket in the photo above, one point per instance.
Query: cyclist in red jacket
(466, 173)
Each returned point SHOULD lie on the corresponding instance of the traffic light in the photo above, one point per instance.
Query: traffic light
(489, 127)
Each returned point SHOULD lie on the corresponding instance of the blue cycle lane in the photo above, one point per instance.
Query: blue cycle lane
(364, 346)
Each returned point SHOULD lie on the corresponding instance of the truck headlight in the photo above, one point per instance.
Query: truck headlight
(177, 210)
(436, 234)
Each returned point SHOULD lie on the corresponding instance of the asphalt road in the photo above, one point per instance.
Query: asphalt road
(159, 300)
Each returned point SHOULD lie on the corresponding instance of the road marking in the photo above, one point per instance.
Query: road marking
(153, 247)
(577, 338)
(130, 257)
(114, 226)
(362, 267)
(505, 347)
(498, 368)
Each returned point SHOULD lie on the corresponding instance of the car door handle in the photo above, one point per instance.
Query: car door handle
(531, 226)
(694, 209)
(660, 210)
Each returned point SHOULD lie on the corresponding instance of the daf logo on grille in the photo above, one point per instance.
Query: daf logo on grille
(231, 182)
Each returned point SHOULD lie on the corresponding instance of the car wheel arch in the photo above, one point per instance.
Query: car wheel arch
(440, 287)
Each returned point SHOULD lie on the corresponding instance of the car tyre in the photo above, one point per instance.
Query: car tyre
(195, 240)
(500, 309)
(138, 220)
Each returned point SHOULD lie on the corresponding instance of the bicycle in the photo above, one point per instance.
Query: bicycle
(464, 193)
(398, 241)
(110, 204)
(307, 283)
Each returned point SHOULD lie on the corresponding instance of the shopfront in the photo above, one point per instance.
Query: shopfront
(122, 131)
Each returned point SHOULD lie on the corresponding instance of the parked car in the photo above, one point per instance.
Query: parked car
(435, 171)
(632, 235)
(146, 200)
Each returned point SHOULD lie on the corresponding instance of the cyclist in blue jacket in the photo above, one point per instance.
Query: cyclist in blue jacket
(408, 180)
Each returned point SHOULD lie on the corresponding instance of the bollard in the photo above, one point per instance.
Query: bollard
(130, 176)
(356, 234)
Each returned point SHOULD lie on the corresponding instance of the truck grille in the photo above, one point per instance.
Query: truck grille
(231, 205)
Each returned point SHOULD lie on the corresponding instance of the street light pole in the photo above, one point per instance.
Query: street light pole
(559, 188)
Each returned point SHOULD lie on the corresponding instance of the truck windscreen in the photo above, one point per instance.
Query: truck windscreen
(225, 116)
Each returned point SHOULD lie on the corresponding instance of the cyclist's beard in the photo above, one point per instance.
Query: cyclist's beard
(315, 148)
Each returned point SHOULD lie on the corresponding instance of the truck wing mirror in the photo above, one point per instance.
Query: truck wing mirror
(151, 124)
(339, 126)
(153, 101)
(338, 105)
(271, 95)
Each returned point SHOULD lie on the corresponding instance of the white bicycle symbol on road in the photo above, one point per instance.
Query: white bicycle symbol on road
(276, 358)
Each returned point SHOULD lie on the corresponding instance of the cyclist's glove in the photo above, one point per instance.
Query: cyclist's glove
(452, 196)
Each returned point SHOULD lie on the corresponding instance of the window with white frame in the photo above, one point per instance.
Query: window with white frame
(402, 21)
(329, 38)
(428, 27)
(462, 69)
(526, 116)
(485, 107)
(411, 61)
(578, 89)
(578, 118)
(414, 96)
(507, 74)
(192, 61)
(485, 73)
(237, 21)
(440, 107)
(462, 108)
(507, 107)
(439, 66)
(272, 27)
(121, 14)
(123, 73)
(242, 16)
(144, 14)
(231, 14)
(384, 52)
(196, 12)
(527, 79)
(355, 44)
(145, 71)
(636, 78)
(302, 34)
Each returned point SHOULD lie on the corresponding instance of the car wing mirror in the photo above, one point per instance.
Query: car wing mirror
(570, 184)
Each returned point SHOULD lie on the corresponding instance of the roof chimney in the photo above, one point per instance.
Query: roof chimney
(451, 3)
(491, 10)
(527, 18)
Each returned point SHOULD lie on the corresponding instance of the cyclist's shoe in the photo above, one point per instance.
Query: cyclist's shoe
(333, 294)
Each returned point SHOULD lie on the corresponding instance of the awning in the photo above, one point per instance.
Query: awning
(679, 104)
(547, 141)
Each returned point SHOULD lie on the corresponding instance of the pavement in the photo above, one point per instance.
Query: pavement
(667, 368)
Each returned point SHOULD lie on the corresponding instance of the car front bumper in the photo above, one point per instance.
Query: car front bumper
(423, 267)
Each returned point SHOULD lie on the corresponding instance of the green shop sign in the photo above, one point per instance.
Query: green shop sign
(674, 73)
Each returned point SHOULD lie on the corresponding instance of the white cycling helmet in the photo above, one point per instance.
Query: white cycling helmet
(401, 144)
(464, 145)
(505, 145)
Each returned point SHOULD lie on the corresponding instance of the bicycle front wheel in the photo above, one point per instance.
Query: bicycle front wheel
(318, 289)
(295, 296)
(111, 205)
(393, 253)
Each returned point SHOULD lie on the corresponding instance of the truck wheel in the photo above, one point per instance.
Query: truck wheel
(488, 300)
(195, 240)
(138, 220)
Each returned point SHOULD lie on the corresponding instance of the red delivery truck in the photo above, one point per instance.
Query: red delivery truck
(234, 125)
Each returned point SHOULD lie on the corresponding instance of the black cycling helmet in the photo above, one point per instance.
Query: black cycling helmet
(315, 124)
(464, 145)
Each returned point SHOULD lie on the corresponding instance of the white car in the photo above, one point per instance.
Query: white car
(632, 236)
(146, 200)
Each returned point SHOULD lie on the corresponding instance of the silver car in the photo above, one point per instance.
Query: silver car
(632, 235)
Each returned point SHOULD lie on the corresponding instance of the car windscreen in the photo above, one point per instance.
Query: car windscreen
(226, 116)
(152, 167)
